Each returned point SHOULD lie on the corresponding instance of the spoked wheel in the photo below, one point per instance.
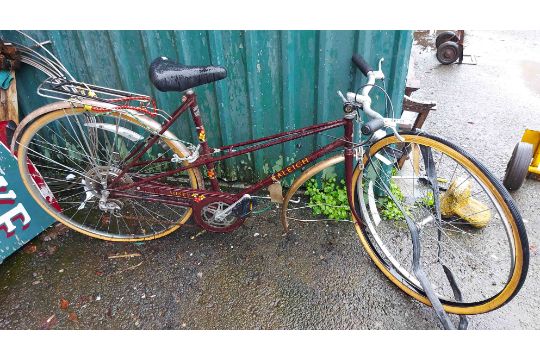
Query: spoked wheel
(78, 153)
(482, 237)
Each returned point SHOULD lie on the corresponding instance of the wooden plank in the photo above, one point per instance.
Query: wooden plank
(9, 107)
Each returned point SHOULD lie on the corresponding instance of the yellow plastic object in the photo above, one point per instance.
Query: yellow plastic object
(457, 200)
(533, 137)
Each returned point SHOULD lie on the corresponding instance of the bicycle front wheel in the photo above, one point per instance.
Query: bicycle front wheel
(479, 236)
(78, 152)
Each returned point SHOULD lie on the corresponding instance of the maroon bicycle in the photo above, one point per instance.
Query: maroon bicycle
(108, 169)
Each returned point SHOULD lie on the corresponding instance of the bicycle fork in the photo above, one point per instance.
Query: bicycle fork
(414, 228)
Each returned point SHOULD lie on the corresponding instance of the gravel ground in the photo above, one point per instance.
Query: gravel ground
(317, 277)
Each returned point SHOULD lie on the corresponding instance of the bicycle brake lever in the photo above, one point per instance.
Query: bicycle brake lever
(399, 137)
(379, 75)
(392, 125)
(342, 97)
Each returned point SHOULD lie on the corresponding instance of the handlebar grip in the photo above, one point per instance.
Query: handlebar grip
(371, 126)
(362, 64)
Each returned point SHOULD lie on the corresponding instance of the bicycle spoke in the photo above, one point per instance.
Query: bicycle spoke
(83, 160)
(467, 250)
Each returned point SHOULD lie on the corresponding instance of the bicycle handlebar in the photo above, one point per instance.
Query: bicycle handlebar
(359, 61)
(371, 126)
(376, 121)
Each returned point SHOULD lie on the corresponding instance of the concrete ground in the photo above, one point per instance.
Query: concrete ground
(318, 277)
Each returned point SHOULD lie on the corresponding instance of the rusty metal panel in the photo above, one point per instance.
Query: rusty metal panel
(277, 80)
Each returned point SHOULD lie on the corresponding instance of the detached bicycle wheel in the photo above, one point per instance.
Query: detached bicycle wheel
(480, 237)
(78, 153)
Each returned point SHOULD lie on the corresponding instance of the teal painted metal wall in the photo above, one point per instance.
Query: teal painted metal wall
(277, 80)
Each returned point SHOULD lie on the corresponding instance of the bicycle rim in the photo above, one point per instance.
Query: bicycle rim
(77, 151)
(489, 260)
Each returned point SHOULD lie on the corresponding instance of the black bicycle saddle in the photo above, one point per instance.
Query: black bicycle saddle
(167, 75)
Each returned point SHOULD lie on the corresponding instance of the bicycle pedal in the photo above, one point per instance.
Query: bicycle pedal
(243, 208)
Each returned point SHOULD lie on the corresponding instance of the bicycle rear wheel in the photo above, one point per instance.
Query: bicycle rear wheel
(482, 236)
(78, 152)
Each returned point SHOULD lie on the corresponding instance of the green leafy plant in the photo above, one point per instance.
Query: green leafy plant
(428, 200)
(329, 198)
(389, 210)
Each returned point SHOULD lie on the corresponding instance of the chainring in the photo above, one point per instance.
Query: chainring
(204, 214)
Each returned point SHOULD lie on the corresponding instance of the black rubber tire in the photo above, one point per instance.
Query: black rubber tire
(444, 37)
(518, 166)
(448, 52)
(498, 186)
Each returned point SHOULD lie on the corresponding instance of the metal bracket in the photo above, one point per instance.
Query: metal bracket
(191, 158)
(472, 60)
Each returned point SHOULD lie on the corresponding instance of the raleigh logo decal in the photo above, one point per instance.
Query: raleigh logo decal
(289, 169)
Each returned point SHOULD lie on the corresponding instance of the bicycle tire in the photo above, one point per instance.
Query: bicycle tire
(176, 219)
(520, 242)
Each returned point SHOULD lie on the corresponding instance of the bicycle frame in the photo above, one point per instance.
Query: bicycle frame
(154, 191)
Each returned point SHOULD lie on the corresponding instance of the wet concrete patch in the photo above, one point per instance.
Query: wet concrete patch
(424, 38)
(316, 277)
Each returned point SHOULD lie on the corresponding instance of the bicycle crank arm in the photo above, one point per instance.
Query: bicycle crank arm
(221, 215)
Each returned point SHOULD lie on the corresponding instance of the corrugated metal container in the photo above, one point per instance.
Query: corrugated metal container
(277, 80)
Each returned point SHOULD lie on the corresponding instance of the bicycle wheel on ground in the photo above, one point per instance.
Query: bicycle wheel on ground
(480, 237)
(79, 152)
